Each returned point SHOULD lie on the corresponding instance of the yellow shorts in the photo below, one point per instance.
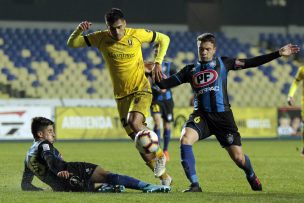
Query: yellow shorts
(139, 102)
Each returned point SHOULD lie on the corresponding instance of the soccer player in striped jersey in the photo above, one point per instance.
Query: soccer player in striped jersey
(212, 114)
(293, 88)
(44, 161)
(121, 49)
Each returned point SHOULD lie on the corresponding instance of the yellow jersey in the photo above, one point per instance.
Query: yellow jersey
(124, 58)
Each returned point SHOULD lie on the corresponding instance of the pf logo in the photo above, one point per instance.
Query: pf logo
(204, 78)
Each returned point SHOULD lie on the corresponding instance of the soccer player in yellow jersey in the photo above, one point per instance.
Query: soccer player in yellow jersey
(299, 77)
(121, 49)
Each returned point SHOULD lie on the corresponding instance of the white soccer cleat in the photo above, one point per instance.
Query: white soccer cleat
(160, 166)
(166, 181)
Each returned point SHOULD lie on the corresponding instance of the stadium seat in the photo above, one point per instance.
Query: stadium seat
(38, 62)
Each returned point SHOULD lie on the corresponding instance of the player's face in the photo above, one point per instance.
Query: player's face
(206, 51)
(48, 134)
(117, 29)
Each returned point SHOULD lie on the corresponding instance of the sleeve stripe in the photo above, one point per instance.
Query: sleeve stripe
(154, 37)
(87, 40)
(177, 78)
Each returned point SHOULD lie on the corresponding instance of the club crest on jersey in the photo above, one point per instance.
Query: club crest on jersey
(204, 78)
(130, 42)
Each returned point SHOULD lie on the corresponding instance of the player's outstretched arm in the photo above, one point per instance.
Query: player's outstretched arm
(76, 39)
(168, 83)
(26, 182)
(286, 50)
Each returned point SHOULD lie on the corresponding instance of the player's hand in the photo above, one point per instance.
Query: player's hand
(157, 74)
(290, 101)
(148, 66)
(85, 25)
(289, 49)
(64, 174)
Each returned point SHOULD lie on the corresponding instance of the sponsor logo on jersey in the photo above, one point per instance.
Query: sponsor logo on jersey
(204, 78)
(120, 55)
(208, 89)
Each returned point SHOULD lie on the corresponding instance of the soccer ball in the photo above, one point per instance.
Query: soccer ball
(146, 141)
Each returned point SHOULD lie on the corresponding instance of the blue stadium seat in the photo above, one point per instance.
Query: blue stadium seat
(60, 64)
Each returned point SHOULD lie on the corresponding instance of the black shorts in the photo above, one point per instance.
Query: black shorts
(80, 180)
(220, 124)
(165, 108)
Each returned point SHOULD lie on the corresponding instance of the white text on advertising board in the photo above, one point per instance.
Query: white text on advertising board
(258, 123)
(87, 122)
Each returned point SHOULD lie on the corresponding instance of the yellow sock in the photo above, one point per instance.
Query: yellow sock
(159, 153)
(151, 165)
(164, 176)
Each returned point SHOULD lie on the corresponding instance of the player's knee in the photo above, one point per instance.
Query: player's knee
(99, 174)
(133, 125)
(238, 159)
(156, 125)
(186, 140)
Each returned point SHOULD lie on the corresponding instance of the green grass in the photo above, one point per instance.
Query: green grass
(277, 163)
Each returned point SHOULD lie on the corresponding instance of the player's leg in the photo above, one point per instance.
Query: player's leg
(156, 115)
(227, 134)
(160, 160)
(132, 111)
(167, 137)
(102, 176)
(243, 161)
(196, 129)
(188, 138)
(167, 115)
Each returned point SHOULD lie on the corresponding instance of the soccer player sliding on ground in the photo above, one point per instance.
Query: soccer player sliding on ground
(44, 161)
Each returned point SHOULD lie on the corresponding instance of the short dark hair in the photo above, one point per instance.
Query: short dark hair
(39, 124)
(113, 15)
(207, 37)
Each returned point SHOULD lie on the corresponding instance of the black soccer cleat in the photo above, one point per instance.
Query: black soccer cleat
(194, 188)
(255, 183)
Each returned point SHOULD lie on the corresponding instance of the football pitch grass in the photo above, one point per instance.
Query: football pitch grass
(277, 164)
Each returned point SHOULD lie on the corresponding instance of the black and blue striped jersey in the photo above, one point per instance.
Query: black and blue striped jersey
(44, 161)
(209, 83)
(209, 80)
